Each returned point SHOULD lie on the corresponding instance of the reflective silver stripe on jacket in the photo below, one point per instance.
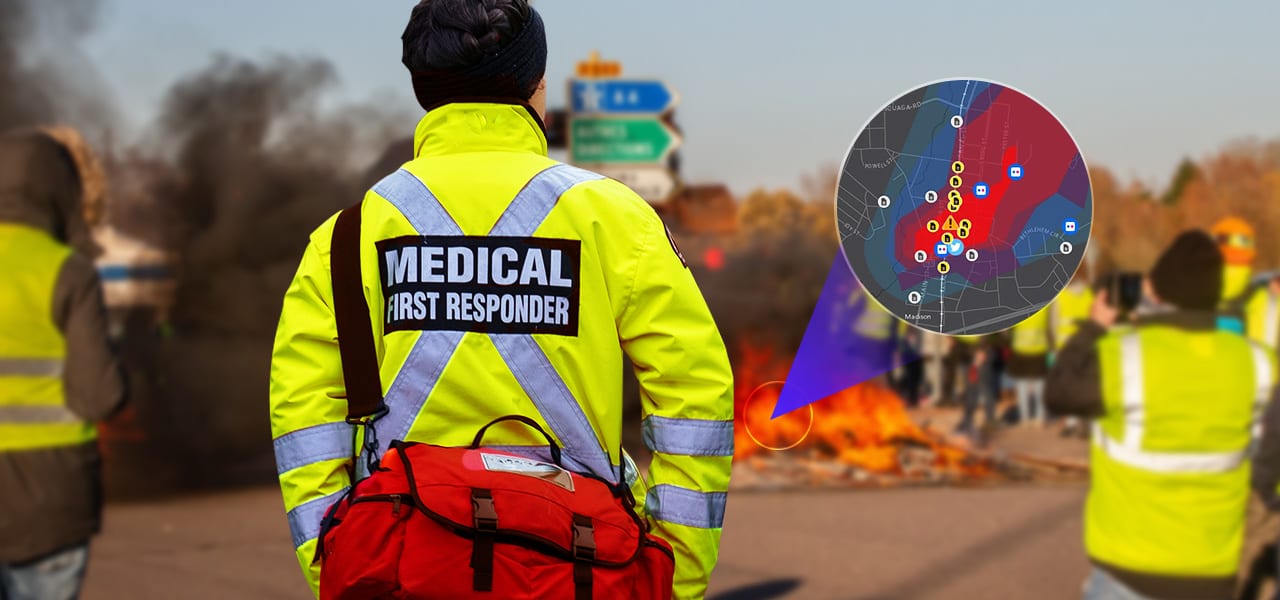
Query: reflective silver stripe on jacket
(312, 445)
(305, 519)
(31, 367)
(37, 415)
(688, 437)
(1133, 395)
(683, 506)
(1133, 392)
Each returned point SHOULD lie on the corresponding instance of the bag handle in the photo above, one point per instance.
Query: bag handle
(551, 444)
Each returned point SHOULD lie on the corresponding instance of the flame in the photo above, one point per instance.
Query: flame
(866, 426)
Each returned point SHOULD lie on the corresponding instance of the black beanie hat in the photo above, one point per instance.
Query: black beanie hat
(511, 74)
(1189, 273)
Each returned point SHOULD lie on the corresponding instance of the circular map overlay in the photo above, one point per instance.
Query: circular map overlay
(964, 207)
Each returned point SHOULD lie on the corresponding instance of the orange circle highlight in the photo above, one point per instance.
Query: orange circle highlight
(746, 422)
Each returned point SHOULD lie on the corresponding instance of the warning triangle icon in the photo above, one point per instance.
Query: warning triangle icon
(950, 225)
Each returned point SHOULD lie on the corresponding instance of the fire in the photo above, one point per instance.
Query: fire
(866, 426)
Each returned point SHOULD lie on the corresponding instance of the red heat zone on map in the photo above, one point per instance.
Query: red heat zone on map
(1031, 136)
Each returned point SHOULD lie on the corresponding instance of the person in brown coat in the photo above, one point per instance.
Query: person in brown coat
(58, 374)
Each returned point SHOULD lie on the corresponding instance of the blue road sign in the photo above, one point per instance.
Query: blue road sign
(1015, 171)
(980, 190)
(1069, 226)
(620, 96)
(941, 249)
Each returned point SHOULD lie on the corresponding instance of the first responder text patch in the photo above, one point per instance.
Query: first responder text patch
(480, 283)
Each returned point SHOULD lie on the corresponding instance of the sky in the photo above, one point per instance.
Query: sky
(773, 91)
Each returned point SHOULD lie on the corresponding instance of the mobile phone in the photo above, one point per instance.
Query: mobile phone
(1124, 290)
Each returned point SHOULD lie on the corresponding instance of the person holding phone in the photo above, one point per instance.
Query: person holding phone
(1174, 400)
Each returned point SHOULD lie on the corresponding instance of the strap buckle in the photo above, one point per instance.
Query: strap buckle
(484, 514)
(368, 419)
(584, 539)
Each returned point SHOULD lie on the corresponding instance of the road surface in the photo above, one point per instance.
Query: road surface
(995, 542)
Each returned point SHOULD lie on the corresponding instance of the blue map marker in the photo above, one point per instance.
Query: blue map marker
(833, 355)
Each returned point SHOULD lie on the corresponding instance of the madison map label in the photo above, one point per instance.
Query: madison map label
(964, 207)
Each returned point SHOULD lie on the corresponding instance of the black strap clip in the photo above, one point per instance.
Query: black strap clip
(370, 447)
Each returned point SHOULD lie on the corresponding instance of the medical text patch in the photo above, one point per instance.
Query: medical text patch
(480, 283)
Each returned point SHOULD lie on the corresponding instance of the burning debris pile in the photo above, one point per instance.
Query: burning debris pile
(860, 437)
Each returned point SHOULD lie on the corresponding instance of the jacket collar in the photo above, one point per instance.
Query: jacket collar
(1191, 320)
(479, 127)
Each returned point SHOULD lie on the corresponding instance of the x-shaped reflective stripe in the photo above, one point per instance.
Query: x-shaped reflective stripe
(522, 354)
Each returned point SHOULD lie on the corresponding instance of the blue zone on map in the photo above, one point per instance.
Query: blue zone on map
(1017, 227)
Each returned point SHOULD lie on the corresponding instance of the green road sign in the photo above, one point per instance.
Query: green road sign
(620, 140)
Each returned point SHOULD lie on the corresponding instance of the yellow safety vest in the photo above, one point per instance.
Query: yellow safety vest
(1235, 281)
(590, 273)
(873, 321)
(1031, 336)
(1170, 456)
(33, 411)
(1068, 310)
(1262, 318)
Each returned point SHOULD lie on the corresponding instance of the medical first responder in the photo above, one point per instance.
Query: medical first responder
(502, 282)
(1175, 402)
(58, 375)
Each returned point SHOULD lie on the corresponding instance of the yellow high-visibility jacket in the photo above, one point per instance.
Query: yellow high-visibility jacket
(502, 282)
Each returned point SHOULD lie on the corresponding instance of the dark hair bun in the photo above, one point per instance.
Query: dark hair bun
(452, 34)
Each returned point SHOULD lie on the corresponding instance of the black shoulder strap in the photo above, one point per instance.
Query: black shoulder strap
(351, 311)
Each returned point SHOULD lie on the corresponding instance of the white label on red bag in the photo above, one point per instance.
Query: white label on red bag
(531, 468)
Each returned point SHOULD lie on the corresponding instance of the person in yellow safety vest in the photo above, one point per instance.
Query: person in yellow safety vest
(1262, 311)
(1176, 402)
(1029, 342)
(1071, 308)
(1266, 462)
(1237, 242)
(1067, 312)
(58, 374)
(873, 321)
(536, 279)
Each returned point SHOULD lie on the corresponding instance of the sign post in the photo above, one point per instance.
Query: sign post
(619, 128)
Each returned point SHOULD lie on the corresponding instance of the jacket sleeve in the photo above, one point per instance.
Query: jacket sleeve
(312, 441)
(95, 388)
(1266, 462)
(686, 389)
(1074, 385)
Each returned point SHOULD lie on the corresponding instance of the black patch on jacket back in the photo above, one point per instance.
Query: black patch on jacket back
(480, 283)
